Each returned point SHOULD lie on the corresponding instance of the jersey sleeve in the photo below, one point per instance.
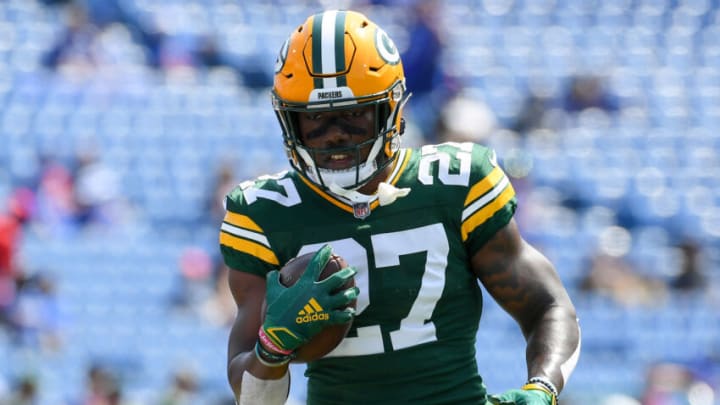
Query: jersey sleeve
(243, 243)
(490, 202)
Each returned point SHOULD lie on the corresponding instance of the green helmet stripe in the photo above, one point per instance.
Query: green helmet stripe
(328, 48)
(318, 82)
(317, 48)
(340, 47)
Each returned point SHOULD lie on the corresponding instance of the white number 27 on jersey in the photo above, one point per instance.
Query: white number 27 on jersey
(415, 328)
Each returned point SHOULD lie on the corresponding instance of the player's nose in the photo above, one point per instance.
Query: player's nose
(335, 134)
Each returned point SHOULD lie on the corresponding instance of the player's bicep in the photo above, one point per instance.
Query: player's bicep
(248, 291)
(519, 278)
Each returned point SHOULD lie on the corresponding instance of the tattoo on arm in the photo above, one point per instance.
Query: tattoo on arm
(524, 283)
(511, 279)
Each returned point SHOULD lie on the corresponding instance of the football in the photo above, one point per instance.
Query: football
(327, 340)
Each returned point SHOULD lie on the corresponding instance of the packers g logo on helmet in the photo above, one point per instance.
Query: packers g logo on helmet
(339, 60)
(386, 47)
(280, 61)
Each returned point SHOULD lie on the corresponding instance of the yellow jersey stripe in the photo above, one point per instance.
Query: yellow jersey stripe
(485, 199)
(482, 215)
(250, 247)
(241, 221)
(484, 185)
(245, 234)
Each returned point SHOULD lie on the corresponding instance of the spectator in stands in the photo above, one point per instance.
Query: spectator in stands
(55, 199)
(96, 191)
(669, 383)
(202, 288)
(219, 308)
(71, 196)
(691, 276)
(588, 91)
(208, 54)
(35, 315)
(151, 38)
(115, 396)
(532, 114)
(466, 119)
(544, 109)
(101, 387)
(183, 390)
(18, 211)
(25, 392)
(75, 46)
(223, 181)
(194, 281)
(611, 274)
(615, 278)
(429, 83)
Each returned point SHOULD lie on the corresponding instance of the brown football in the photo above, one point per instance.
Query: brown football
(327, 340)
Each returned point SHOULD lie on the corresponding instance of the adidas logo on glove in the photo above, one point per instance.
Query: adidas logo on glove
(311, 312)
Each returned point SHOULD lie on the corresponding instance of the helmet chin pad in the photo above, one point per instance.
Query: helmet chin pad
(351, 178)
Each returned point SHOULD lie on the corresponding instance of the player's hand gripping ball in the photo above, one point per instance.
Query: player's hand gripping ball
(319, 318)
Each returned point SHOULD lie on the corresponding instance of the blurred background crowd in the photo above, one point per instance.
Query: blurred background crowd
(124, 122)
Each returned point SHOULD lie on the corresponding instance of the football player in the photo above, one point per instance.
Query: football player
(419, 228)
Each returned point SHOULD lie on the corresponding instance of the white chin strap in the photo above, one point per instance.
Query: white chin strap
(386, 194)
(352, 195)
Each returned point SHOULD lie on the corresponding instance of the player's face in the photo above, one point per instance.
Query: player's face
(337, 130)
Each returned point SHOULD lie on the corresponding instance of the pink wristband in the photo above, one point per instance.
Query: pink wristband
(265, 341)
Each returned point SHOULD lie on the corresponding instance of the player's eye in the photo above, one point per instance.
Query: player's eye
(313, 116)
(355, 114)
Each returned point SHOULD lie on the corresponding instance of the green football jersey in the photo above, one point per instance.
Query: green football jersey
(413, 338)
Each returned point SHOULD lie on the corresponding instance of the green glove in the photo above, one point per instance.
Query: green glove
(283, 326)
(523, 397)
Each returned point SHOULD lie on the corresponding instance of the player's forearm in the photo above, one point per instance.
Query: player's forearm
(553, 346)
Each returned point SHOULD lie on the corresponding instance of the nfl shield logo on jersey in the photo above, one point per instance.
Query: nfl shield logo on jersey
(361, 210)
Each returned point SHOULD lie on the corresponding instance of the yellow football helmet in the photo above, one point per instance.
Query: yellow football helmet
(339, 60)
